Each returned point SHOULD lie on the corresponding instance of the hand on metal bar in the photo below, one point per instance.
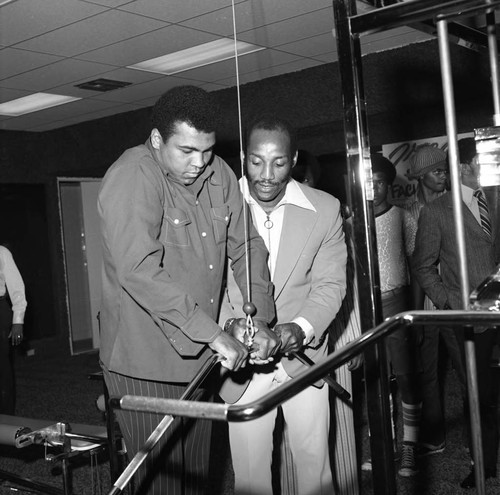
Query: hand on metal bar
(263, 344)
(292, 339)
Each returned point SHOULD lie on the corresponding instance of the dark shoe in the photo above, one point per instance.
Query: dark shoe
(408, 462)
(425, 449)
(470, 480)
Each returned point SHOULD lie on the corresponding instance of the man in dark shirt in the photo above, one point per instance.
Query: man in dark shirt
(171, 212)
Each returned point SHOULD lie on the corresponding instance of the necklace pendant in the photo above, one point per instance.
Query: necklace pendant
(268, 224)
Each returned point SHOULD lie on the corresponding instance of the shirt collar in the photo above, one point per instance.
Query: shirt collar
(467, 194)
(294, 195)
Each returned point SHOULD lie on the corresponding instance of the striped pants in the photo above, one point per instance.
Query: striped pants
(178, 464)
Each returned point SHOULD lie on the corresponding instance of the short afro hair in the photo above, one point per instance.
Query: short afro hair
(189, 104)
(271, 122)
(306, 161)
(466, 150)
(384, 166)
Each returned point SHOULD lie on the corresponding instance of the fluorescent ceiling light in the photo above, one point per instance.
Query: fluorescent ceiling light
(33, 103)
(197, 56)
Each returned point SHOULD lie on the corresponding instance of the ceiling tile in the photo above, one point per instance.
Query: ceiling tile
(126, 75)
(247, 63)
(7, 94)
(370, 46)
(140, 91)
(328, 58)
(176, 10)
(150, 45)
(294, 66)
(296, 28)
(50, 76)
(252, 15)
(14, 61)
(108, 3)
(311, 47)
(25, 19)
(103, 112)
(101, 30)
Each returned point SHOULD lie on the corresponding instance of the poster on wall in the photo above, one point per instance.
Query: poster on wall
(403, 189)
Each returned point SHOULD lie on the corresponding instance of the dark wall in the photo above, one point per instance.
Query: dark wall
(403, 97)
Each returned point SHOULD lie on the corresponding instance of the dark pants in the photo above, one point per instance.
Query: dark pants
(401, 344)
(487, 380)
(178, 464)
(7, 393)
(432, 428)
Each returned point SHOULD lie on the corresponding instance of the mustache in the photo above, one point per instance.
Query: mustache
(266, 183)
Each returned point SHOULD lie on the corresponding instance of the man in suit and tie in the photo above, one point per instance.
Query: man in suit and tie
(302, 229)
(436, 243)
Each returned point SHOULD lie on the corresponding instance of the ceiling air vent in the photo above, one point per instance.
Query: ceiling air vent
(102, 85)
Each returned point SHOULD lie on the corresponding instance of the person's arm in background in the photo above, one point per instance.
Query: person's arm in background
(425, 258)
(15, 287)
(410, 228)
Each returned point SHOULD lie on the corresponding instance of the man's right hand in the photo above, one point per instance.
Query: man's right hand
(265, 343)
(234, 354)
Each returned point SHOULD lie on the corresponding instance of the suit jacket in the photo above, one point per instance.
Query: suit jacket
(309, 278)
(435, 243)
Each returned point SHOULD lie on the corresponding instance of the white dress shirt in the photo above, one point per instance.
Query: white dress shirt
(272, 233)
(471, 201)
(12, 282)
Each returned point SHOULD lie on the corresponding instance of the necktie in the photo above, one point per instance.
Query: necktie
(483, 211)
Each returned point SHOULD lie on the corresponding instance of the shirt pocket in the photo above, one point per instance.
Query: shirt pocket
(220, 217)
(175, 228)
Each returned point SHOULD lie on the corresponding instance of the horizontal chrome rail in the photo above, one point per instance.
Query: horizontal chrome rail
(256, 409)
(404, 13)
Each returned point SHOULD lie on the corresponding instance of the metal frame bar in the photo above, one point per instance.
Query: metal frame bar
(253, 410)
(402, 14)
(365, 244)
(139, 458)
(349, 27)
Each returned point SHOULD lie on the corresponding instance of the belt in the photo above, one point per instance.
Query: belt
(394, 292)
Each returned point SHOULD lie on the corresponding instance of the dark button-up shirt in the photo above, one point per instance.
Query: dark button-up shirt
(164, 253)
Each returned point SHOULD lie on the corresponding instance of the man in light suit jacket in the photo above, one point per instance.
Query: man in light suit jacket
(302, 229)
(436, 243)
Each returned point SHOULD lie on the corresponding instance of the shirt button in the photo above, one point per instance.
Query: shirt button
(226, 218)
(197, 203)
(211, 301)
(211, 267)
(203, 234)
(176, 221)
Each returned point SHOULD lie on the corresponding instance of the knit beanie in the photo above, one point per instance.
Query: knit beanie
(425, 159)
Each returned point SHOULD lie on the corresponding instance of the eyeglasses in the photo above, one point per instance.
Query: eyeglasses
(439, 171)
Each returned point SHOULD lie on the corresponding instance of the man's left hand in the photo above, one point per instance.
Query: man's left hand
(16, 333)
(265, 343)
(292, 337)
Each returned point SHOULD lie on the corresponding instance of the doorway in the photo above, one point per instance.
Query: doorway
(82, 259)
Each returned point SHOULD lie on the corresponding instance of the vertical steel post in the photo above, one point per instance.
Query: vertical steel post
(493, 54)
(470, 355)
(360, 192)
